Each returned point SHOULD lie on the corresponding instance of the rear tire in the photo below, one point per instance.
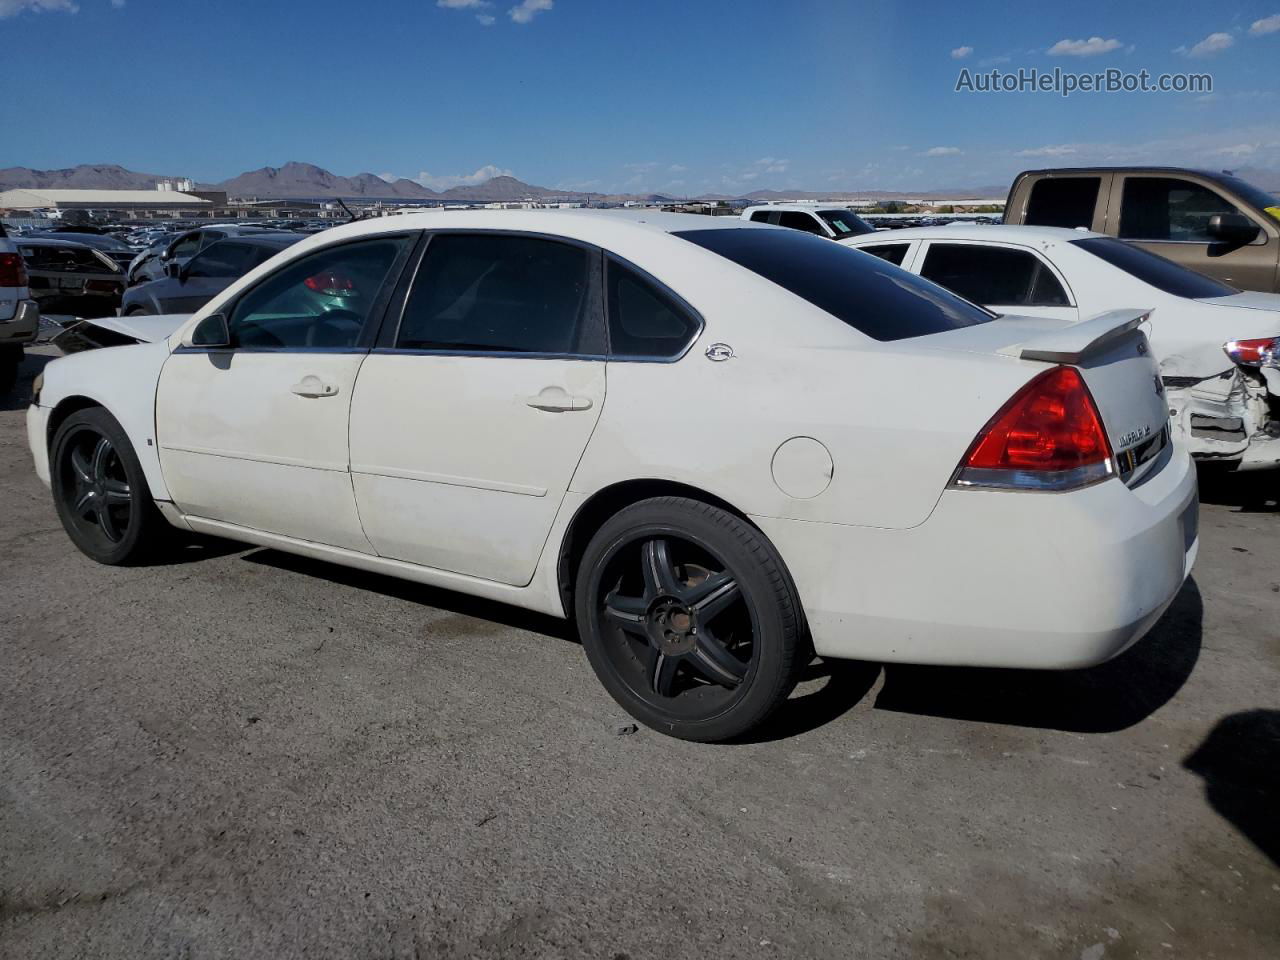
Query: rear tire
(689, 619)
(10, 360)
(100, 492)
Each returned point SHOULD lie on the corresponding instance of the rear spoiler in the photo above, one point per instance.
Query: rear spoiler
(1072, 343)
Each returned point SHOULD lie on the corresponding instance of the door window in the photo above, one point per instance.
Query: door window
(895, 253)
(1063, 202)
(993, 275)
(644, 321)
(502, 293)
(1166, 208)
(227, 259)
(800, 221)
(321, 300)
(185, 246)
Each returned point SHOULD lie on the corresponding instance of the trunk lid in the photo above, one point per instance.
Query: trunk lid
(1113, 357)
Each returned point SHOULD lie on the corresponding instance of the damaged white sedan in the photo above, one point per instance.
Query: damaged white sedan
(1218, 348)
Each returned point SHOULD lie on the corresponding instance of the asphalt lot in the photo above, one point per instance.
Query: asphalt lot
(242, 754)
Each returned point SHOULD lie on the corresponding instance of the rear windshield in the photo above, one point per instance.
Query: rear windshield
(60, 259)
(874, 297)
(1154, 269)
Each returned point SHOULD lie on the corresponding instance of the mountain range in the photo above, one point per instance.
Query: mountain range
(305, 180)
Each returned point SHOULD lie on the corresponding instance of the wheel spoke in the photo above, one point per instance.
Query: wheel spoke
(117, 491)
(713, 595)
(659, 576)
(98, 469)
(626, 612)
(662, 674)
(81, 507)
(80, 464)
(108, 523)
(715, 662)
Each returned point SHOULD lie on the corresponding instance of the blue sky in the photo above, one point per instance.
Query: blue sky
(683, 96)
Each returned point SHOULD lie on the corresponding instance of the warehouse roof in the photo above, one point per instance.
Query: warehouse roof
(31, 198)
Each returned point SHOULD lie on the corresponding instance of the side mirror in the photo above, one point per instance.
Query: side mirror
(172, 269)
(1233, 228)
(212, 331)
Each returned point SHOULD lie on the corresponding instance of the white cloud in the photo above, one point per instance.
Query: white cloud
(462, 4)
(117, 3)
(1266, 25)
(959, 53)
(677, 168)
(942, 152)
(11, 8)
(1084, 48)
(486, 20)
(1059, 150)
(1213, 43)
(994, 61)
(444, 182)
(1239, 150)
(527, 9)
(772, 165)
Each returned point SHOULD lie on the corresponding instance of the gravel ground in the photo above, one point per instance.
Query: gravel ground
(243, 754)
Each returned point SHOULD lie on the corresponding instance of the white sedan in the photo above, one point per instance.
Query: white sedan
(719, 447)
(1218, 348)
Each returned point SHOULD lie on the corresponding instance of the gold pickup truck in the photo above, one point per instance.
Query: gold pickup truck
(1214, 223)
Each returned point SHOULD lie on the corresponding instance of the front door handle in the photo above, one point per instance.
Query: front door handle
(313, 386)
(557, 400)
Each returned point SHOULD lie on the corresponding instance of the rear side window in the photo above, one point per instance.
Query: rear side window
(993, 275)
(876, 298)
(500, 293)
(1154, 269)
(644, 321)
(895, 253)
(762, 216)
(846, 224)
(1063, 202)
(1166, 208)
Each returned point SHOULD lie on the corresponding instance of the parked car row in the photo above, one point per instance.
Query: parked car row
(719, 446)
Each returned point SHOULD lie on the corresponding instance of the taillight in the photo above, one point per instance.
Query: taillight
(1049, 436)
(331, 284)
(13, 270)
(1254, 353)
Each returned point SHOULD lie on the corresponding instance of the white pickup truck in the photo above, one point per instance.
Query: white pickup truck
(19, 315)
(832, 222)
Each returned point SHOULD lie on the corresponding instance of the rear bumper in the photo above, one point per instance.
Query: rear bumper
(1000, 579)
(23, 326)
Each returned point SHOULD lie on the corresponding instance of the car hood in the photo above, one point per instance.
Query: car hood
(144, 329)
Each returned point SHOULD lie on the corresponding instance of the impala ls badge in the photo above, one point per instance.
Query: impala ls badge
(719, 351)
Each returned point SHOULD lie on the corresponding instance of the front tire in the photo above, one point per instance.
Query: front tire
(100, 492)
(689, 619)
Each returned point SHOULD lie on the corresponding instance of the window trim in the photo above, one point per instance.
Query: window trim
(372, 323)
(1071, 304)
(1244, 209)
(699, 324)
(389, 331)
(907, 258)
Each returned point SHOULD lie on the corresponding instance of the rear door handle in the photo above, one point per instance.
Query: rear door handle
(313, 386)
(557, 400)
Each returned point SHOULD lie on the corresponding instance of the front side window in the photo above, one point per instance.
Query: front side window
(1166, 208)
(185, 247)
(880, 300)
(762, 216)
(800, 221)
(1063, 202)
(320, 300)
(993, 275)
(895, 253)
(226, 259)
(644, 321)
(501, 293)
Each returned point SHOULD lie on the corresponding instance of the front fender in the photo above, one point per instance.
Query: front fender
(123, 381)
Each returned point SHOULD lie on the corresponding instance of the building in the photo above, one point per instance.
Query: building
(127, 204)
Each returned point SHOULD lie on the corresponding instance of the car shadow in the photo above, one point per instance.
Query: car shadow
(19, 398)
(1256, 491)
(1102, 699)
(847, 682)
(422, 594)
(1240, 764)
